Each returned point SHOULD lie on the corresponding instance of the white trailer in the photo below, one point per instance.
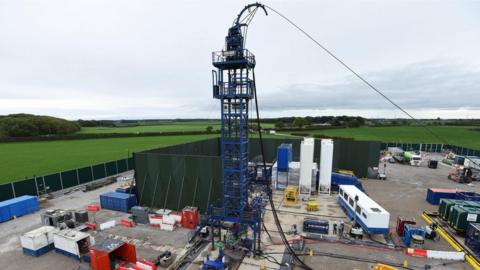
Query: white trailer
(373, 218)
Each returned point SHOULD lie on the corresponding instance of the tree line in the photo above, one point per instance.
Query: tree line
(311, 121)
(28, 125)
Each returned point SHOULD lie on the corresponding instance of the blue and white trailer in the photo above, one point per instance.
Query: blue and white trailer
(366, 212)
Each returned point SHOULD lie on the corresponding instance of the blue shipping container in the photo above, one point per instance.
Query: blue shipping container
(118, 201)
(284, 156)
(467, 196)
(18, 207)
(435, 194)
(345, 179)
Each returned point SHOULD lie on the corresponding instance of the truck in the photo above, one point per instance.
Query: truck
(414, 159)
(472, 162)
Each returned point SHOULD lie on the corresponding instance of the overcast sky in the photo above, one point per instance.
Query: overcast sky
(114, 59)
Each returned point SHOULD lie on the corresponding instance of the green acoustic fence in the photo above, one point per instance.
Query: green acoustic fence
(175, 181)
(189, 174)
(433, 147)
(57, 181)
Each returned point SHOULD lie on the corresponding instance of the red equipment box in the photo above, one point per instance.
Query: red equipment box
(401, 221)
(190, 217)
(126, 223)
(101, 253)
(93, 208)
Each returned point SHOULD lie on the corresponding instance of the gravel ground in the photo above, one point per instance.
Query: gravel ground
(402, 194)
(150, 242)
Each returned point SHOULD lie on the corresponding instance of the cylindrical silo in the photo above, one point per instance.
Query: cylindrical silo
(326, 158)
(306, 161)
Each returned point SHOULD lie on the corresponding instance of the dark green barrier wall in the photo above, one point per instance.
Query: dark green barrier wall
(6, 192)
(174, 181)
(189, 174)
(67, 179)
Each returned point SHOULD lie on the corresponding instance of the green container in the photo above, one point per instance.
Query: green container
(445, 206)
(461, 216)
(454, 210)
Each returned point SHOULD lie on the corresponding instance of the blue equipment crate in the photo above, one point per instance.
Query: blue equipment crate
(409, 231)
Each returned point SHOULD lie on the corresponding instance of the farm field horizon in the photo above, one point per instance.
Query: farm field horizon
(160, 127)
(455, 135)
(25, 159)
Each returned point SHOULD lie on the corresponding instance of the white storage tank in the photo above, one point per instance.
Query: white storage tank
(326, 161)
(306, 160)
(38, 241)
(72, 243)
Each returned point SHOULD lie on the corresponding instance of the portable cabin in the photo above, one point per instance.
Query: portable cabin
(371, 216)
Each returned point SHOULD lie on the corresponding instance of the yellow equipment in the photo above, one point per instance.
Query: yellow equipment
(312, 206)
(380, 266)
(348, 172)
(291, 195)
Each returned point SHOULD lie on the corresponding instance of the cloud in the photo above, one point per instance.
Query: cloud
(152, 59)
(427, 85)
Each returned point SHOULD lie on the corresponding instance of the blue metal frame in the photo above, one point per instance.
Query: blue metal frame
(233, 85)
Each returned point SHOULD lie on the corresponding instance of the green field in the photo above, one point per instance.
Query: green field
(461, 136)
(25, 159)
(164, 127)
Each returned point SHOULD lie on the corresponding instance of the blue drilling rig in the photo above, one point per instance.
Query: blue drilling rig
(234, 86)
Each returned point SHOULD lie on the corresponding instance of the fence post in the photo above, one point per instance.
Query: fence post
(105, 168)
(36, 185)
(13, 189)
(61, 179)
(116, 166)
(78, 178)
(44, 186)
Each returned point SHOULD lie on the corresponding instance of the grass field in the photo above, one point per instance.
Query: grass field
(461, 136)
(25, 159)
(166, 127)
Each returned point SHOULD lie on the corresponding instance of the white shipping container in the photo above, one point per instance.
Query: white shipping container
(38, 238)
(67, 240)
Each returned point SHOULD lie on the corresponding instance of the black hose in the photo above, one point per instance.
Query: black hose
(272, 205)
